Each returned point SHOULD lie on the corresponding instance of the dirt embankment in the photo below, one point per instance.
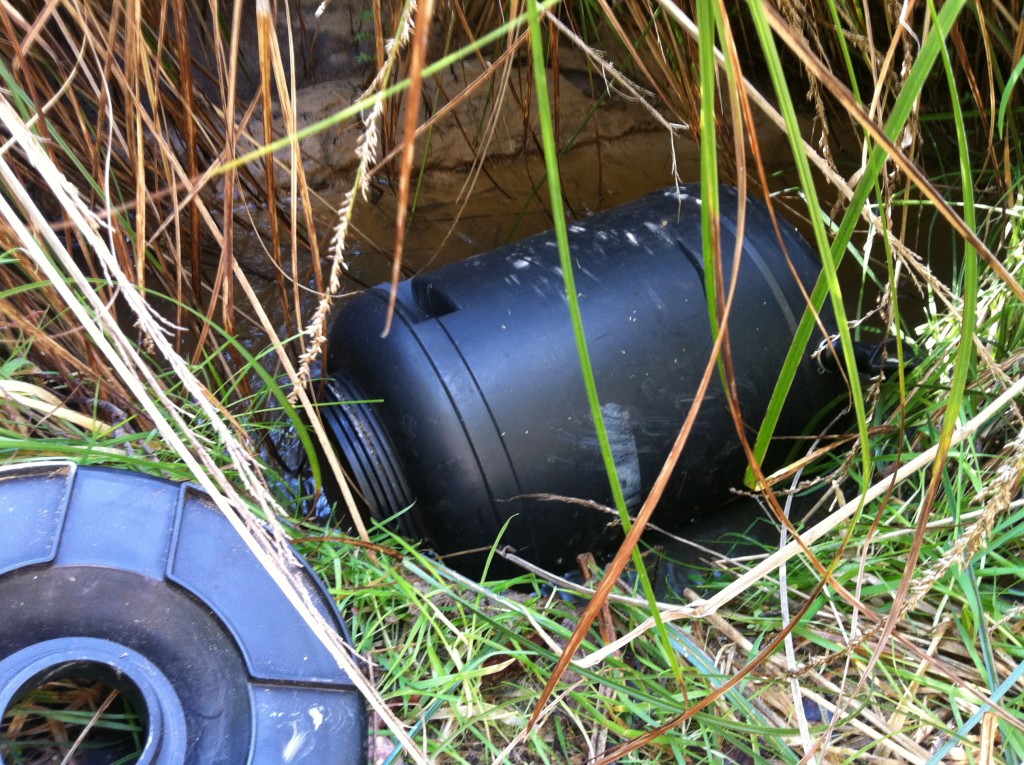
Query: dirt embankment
(615, 148)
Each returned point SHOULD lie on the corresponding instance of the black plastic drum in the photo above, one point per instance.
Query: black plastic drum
(143, 584)
(470, 419)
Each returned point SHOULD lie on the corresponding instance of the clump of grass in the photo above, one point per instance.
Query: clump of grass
(62, 720)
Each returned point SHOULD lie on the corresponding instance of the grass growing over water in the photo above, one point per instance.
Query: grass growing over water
(899, 641)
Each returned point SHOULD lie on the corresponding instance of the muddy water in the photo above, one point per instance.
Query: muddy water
(509, 201)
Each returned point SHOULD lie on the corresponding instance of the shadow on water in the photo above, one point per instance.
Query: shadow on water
(715, 544)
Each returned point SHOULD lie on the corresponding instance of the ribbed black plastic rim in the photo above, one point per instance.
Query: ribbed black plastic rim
(367, 452)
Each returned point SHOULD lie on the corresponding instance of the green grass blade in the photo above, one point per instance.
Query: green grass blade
(923, 65)
(707, 23)
(829, 260)
(565, 257)
(1004, 99)
(565, 260)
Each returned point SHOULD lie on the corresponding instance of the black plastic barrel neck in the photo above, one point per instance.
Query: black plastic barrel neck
(367, 452)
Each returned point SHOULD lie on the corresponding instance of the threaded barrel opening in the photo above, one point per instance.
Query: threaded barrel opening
(367, 455)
